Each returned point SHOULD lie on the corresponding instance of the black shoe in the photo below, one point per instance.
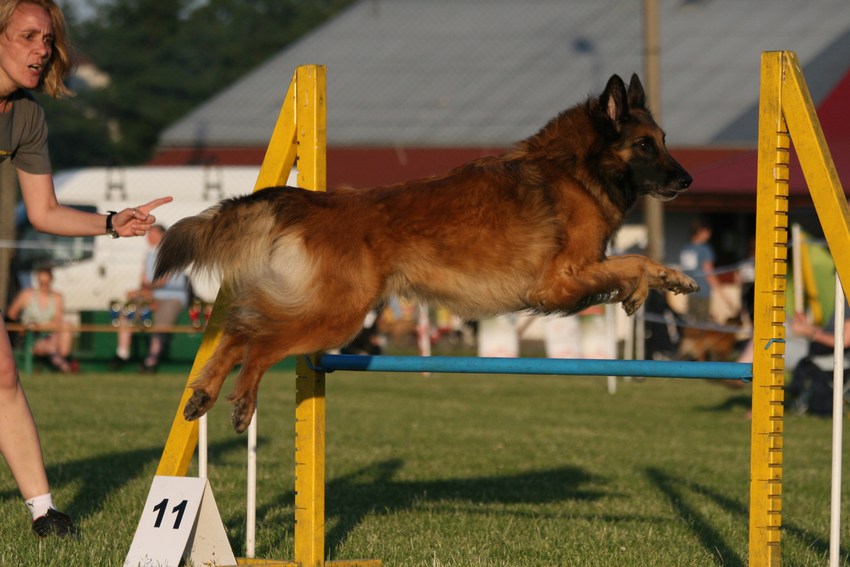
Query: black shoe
(117, 362)
(149, 366)
(54, 523)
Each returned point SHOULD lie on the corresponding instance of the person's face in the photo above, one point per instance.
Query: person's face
(25, 47)
(45, 278)
(154, 236)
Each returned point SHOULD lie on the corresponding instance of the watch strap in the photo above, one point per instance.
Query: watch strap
(110, 230)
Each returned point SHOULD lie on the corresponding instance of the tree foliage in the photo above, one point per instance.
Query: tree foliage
(163, 58)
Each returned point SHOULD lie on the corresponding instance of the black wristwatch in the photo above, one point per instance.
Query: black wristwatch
(110, 230)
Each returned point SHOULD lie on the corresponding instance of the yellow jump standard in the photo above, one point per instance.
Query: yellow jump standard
(785, 110)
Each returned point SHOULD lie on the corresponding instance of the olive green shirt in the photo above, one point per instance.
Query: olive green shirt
(23, 135)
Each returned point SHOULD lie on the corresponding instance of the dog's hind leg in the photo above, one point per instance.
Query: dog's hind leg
(259, 357)
(285, 338)
(244, 396)
(228, 353)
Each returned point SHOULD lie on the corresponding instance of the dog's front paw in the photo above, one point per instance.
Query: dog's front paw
(198, 405)
(632, 303)
(677, 282)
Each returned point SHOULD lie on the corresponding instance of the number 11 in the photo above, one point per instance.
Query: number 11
(161, 508)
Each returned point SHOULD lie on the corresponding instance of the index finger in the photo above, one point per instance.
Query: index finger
(148, 207)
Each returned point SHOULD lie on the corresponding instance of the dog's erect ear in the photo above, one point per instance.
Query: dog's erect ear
(613, 100)
(637, 98)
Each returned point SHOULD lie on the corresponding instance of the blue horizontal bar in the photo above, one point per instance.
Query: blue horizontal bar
(565, 366)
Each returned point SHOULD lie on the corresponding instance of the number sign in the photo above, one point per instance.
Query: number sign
(180, 520)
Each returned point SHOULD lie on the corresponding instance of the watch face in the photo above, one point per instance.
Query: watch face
(110, 230)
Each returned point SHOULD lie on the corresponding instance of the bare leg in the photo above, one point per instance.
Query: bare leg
(19, 442)
(65, 340)
(125, 339)
(48, 346)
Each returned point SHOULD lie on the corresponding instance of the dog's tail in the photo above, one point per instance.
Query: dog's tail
(228, 238)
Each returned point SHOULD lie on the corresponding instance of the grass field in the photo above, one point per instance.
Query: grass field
(441, 471)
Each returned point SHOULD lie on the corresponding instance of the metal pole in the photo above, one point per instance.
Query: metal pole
(251, 504)
(542, 366)
(653, 208)
(837, 423)
(203, 440)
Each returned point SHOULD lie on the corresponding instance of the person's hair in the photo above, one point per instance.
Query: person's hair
(698, 225)
(60, 64)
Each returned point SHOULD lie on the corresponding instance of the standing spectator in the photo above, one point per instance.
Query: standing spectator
(697, 261)
(43, 306)
(34, 55)
(166, 297)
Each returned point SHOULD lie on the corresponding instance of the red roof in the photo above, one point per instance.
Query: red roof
(733, 171)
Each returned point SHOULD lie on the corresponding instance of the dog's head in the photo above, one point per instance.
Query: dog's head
(639, 142)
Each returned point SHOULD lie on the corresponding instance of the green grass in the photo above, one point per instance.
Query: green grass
(441, 471)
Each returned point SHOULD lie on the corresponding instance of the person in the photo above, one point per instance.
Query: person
(35, 56)
(166, 297)
(810, 389)
(697, 261)
(368, 340)
(43, 305)
(747, 277)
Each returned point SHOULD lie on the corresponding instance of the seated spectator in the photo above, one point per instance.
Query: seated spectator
(164, 298)
(42, 308)
(810, 390)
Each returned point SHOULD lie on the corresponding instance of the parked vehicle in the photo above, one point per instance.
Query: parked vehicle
(93, 271)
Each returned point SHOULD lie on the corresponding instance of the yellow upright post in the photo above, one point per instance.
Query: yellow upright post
(300, 133)
(774, 145)
(278, 162)
(310, 383)
(309, 464)
(786, 111)
(310, 139)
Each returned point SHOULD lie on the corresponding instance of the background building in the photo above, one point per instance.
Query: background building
(416, 88)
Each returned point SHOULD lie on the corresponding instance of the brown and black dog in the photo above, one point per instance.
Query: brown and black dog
(526, 230)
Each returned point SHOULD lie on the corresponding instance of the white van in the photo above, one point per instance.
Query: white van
(93, 271)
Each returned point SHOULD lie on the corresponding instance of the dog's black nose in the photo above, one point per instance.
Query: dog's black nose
(685, 181)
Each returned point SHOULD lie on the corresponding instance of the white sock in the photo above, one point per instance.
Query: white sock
(123, 353)
(39, 505)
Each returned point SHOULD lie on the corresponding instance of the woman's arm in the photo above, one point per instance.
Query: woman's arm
(804, 328)
(14, 309)
(47, 215)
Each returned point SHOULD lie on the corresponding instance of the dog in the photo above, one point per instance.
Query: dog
(526, 230)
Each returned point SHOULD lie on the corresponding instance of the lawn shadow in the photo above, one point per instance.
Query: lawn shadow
(375, 490)
(103, 475)
(737, 401)
(674, 487)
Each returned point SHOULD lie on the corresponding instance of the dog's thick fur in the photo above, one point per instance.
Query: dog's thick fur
(526, 230)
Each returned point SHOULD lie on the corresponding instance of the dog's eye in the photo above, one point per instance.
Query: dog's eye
(646, 144)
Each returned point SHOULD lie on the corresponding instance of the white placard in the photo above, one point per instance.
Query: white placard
(498, 337)
(180, 520)
(562, 337)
